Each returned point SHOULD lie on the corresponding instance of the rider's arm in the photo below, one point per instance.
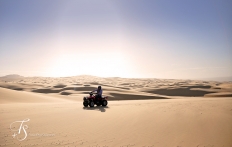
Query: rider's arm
(94, 90)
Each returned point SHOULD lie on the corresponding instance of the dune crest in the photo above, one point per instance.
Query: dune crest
(120, 88)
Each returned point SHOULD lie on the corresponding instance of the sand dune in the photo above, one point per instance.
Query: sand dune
(57, 121)
(120, 88)
(13, 77)
(12, 96)
(169, 113)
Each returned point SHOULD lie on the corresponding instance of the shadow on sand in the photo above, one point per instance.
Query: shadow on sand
(98, 108)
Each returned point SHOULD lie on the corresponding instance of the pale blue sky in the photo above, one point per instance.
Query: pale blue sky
(125, 38)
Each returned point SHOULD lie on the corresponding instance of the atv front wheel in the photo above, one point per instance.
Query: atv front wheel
(104, 103)
(85, 104)
(91, 104)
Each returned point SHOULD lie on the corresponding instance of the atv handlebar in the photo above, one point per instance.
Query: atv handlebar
(91, 93)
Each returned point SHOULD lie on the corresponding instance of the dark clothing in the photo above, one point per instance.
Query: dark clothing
(97, 96)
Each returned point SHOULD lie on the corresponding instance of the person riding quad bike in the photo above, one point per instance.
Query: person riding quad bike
(95, 99)
(99, 92)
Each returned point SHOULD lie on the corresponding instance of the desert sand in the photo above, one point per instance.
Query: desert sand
(140, 112)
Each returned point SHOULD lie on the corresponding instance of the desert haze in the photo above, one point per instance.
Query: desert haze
(140, 112)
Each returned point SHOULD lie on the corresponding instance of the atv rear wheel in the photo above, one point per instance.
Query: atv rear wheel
(91, 104)
(104, 102)
(85, 104)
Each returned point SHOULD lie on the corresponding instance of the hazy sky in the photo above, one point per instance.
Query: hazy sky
(123, 38)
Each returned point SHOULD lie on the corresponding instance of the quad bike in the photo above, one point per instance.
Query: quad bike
(91, 100)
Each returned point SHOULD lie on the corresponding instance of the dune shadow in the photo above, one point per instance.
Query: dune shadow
(60, 86)
(65, 93)
(94, 83)
(179, 92)
(47, 90)
(62, 91)
(119, 96)
(98, 108)
(197, 86)
(12, 87)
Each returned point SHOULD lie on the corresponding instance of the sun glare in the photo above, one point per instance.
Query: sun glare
(104, 65)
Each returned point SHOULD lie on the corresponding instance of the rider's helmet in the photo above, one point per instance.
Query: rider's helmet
(99, 87)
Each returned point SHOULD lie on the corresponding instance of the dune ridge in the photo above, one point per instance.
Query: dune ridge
(120, 88)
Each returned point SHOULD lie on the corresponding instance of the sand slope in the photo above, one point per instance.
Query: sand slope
(12, 96)
(190, 122)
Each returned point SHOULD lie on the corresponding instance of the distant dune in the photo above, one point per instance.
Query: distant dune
(12, 77)
(118, 88)
(220, 79)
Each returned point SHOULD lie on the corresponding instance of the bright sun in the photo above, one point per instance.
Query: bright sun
(104, 64)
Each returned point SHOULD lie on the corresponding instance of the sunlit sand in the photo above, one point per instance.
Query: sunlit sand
(141, 112)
